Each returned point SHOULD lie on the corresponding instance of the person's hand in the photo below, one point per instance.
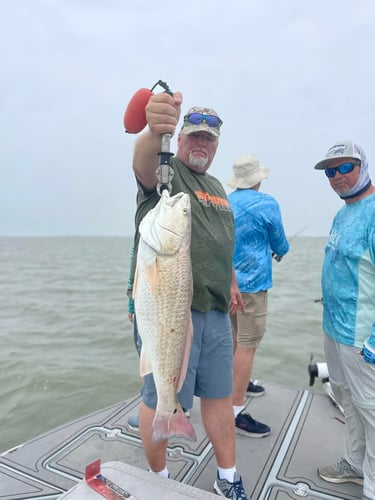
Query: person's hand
(368, 353)
(163, 113)
(236, 301)
(131, 310)
(278, 258)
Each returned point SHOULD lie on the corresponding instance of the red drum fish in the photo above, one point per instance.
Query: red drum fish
(163, 289)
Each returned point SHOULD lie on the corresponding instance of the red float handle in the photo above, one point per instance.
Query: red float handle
(135, 114)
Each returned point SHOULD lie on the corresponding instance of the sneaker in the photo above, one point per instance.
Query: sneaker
(133, 420)
(233, 490)
(254, 390)
(247, 426)
(342, 472)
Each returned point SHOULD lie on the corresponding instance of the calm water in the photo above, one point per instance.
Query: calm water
(66, 343)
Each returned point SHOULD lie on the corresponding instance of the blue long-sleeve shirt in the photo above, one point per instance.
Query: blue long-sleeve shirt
(259, 232)
(348, 275)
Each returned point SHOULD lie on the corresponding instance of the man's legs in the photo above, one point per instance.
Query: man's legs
(155, 452)
(350, 467)
(248, 329)
(360, 434)
(210, 377)
(338, 359)
(214, 387)
(217, 416)
(242, 367)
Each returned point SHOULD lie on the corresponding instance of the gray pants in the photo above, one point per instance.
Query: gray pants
(210, 368)
(353, 383)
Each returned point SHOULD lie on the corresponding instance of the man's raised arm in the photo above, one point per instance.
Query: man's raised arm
(162, 114)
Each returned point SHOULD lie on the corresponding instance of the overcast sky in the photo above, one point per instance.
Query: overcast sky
(288, 77)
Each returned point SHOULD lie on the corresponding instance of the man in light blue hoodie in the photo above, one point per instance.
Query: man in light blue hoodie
(348, 289)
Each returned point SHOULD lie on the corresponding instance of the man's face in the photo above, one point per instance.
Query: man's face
(342, 183)
(197, 150)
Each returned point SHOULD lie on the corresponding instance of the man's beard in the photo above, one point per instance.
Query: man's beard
(198, 161)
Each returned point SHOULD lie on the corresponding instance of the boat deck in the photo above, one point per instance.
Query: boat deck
(306, 431)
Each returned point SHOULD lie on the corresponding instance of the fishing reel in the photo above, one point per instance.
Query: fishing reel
(320, 370)
(317, 370)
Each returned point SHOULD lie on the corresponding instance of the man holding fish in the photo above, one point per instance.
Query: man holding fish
(183, 288)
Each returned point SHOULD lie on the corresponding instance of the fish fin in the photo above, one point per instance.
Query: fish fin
(144, 363)
(187, 348)
(172, 425)
(152, 275)
(135, 283)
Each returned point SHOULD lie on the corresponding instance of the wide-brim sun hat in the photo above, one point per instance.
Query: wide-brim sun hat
(248, 172)
(343, 149)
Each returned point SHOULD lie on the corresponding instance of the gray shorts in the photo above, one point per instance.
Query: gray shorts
(209, 373)
(249, 327)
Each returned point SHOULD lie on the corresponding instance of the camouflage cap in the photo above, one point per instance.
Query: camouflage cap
(188, 127)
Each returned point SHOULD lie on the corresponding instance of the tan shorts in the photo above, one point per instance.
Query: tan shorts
(249, 327)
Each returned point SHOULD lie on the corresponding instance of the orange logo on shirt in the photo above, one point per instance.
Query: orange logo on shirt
(212, 200)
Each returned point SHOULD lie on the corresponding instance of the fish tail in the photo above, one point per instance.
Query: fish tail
(172, 425)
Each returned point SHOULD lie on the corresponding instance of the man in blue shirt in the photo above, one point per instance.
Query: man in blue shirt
(259, 234)
(348, 289)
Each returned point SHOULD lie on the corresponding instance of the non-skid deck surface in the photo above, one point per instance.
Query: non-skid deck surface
(306, 431)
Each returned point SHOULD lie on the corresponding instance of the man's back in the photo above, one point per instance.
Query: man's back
(259, 232)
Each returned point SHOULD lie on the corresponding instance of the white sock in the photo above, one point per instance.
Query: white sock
(162, 473)
(237, 410)
(227, 474)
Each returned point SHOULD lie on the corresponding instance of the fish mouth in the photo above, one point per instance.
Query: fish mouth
(172, 225)
(182, 198)
(173, 200)
(167, 227)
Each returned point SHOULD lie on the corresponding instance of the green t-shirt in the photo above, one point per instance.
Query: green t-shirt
(212, 238)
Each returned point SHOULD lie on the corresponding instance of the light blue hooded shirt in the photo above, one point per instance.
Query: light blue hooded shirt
(348, 277)
(259, 232)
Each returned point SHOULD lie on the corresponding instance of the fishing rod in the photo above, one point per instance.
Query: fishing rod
(297, 233)
(135, 121)
(278, 258)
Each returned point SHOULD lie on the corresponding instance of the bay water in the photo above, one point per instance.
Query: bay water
(67, 345)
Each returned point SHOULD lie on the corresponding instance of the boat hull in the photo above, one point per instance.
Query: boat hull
(306, 431)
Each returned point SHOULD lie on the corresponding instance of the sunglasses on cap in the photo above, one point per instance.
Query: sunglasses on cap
(345, 168)
(198, 118)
